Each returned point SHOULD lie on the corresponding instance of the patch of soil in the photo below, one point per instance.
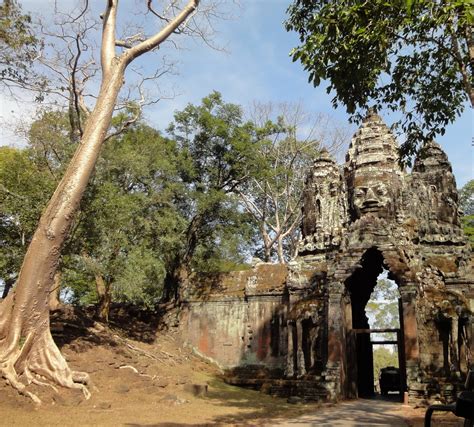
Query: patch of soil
(139, 377)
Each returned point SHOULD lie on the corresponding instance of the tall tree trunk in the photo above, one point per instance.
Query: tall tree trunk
(281, 256)
(105, 298)
(53, 302)
(179, 270)
(26, 344)
(267, 244)
(267, 253)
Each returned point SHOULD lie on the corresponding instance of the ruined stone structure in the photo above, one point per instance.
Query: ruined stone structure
(302, 329)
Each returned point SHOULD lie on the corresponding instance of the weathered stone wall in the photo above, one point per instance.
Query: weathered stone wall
(238, 319)
(238, 332)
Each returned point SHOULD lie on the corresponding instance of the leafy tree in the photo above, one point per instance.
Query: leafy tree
(217, 149)
(24, 189)
(31, 175)
(128, 221)
(466, 198)
(466, 202)
(290, 140)
(26, 344)
(18, 44)
(413, 56)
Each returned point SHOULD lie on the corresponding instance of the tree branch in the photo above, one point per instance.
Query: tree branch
(108, 36)
(158, 38)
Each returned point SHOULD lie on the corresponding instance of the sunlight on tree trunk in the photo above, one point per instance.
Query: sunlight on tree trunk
(53, 301)
(27, 349)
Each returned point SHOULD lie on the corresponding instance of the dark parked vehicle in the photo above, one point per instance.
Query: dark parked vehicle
(389, 379)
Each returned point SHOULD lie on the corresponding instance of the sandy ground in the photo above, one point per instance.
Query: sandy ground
(143, 378)
(139, 382)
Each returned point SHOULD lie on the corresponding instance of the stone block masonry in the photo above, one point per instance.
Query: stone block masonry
(296, 329)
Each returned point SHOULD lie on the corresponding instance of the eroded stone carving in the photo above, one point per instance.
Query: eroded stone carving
(308, 323)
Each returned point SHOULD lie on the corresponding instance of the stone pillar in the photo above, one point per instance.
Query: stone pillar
(290, 369)
(454, 344)
(410, 329)
(300, 364)
(410, 334)
(335, 375)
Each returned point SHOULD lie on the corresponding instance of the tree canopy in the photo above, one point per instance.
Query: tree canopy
(18, 44)
(412, 56)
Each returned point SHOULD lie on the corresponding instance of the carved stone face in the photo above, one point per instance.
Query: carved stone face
(371, 195)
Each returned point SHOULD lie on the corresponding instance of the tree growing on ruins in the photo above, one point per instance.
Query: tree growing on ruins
(412, 56)
(27, 349)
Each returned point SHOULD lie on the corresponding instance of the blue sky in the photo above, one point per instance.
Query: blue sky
(258, 68)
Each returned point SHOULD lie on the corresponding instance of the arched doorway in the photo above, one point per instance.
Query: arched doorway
(360, 336)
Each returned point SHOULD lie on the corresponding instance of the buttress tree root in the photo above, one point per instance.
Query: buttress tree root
(30, 356)
(28, 353)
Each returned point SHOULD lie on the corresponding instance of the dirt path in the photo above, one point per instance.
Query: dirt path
(362, 412)
(368, 412)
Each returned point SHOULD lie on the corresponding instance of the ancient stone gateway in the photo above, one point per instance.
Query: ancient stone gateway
(293, 330)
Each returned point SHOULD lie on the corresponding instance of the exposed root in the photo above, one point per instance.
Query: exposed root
(40, 362)
(136, 349)
(130, 367)
(137, 372)
(12, 378)
(32, 379)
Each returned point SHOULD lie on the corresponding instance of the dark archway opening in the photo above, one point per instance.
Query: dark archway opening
(360, 287)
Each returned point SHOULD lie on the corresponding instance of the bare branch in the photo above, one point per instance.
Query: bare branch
(158, 38)
(108, 36)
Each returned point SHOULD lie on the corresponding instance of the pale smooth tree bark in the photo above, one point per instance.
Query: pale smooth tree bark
(28, 353)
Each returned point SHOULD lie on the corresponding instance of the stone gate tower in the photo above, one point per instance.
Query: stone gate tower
(305, 325)
(406, 223)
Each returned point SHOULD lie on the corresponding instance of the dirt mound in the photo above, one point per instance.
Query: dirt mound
(138, 377)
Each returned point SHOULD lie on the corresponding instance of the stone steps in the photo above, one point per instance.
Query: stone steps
(305, 388)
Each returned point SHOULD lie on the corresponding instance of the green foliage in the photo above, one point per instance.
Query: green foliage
(274, 191)
(466, 203)
(141, 278)
(127, 221)
(78, 281)
(409, 56)
(217, 148)
(466, 198)
(24, 190)
(18, 44)
(154, 205)
(468, 227)
(383, 357)
(50, 142)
